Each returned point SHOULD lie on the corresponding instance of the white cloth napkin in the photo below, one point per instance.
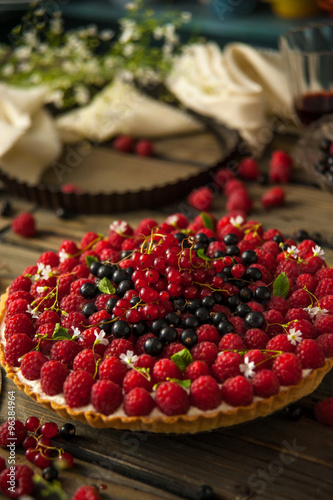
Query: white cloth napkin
(29, 140)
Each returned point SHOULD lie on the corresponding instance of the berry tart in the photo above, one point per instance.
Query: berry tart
(172, 327)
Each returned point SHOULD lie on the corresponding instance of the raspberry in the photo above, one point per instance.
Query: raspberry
(124, 144)
(227, 365)
(24, 484)
(65, 351)
(172, 399)
(19, 323)
(310, 354)
(136, 379)
(325, 272)
(47, 316)
(118, 347)
(138, 402)
(20, 294)
(233, 185)
(196, 369)
(205, 351)
(102, 299)
(72, 303)
(300, 298)
(296, 313)
(52, 377)
(280, 343)
(76, 285)
(106, 396)
(239, 325)
(256, 339)
(31, 365)
(248, 169)
(267, 276)
(12, 432)
(17, 345)
(144, 148)
(113, 369)
(74, 320)
(271, 247)
(170, 349)
(273, 320)
(274, 197)
(324, 324)
(87, 340)
(260, 359)
(110, 254)
(86, 360)
(265, 384)
(325, 303)
(222, 176)
(289, 267)
(288, 368)
(312, 264)
(20, 284)
(201, 199)
(308, 281)
(324, 411)
(230, 341)
(86, 493)
(24, 225)
(89, 240)
(97, 318)
(305, 327)
(45, 344)
(237, 391)
(64, 285)
(77, 388)
(166, 368)
(208, 333)
(69, 247)
(279, 304)
(18, 306)
(239, 200)
(145, 226)
(67, 265)
(281, 166)
(205, 393)
(326, 343)
(145, 361)
(177, 220)
(49, 259)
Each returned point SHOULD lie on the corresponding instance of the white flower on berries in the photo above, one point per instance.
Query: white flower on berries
(247, 368)
(63, 255)
(33, 311)
(129, 358)
(76, 332)
(119, 226)
(236, 221)
(43, 271)
(100, 337)
(292, 251)
(318, 251)
(315, 312)
(41, 289)
(294, 336)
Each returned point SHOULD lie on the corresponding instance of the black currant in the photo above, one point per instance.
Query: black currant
(173, 319)
(67, 431)
(124, 286)
(201, 238)
(63, 213)
(193, 305)
(94, 266)
(120, 275)
(232, 250)
(157, 325)
(203, 315)
(230, 239)
(278, 239)
(50, 473)
(89, 309)
(190, 322)
(134, 301)
(105, 325)
(121, 329)
(219, 254)
(88, 290)
(218, 318)
(188, 337)
(110, 305)
(180, 236)
(180, 304)
(249, 257)
(218, 298)
(253, 274)
(168, 334)
(262, 294)
(301, 235)
(153, 346)
(139, 328)
(246, 294)
(105, 271)
(225, 327)
(233, 301)
(242, 310)
(254, 319)
(208, 302)
(205, 492)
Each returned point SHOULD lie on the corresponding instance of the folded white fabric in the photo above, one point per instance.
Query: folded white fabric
(29, 140)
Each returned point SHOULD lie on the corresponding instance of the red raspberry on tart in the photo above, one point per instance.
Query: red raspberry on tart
(177, 327)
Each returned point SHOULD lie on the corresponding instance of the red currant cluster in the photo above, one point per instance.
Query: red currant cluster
(40, 450)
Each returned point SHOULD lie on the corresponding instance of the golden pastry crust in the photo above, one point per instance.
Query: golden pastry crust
(180, 423)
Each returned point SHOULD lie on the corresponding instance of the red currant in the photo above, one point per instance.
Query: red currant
(148, 294)
(152, 275)
(32, 424)
(65, 461)
(237, 270)
(29, 442)
(174, 277)
(133, 316)
(31, 453)
(49, 429)
(42, 461)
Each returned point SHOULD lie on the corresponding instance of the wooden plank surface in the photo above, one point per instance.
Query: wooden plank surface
(271, 459)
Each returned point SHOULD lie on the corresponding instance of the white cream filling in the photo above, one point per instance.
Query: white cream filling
(35, 387)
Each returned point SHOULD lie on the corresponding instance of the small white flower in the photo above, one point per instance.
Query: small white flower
(63, 255)
(33, 311)
(119, 226)
(46, 271)
(247, 368)
(128, 50)
(294, 336)
(76, 332)
(41, 289)
(100, 337)
(106, 35)
(186, 17)
(315, 311)
(318, 251)
(158, 33)
(129, 358)
(236, 221)
(293, 251)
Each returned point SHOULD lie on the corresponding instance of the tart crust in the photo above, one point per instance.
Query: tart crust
(180, 423)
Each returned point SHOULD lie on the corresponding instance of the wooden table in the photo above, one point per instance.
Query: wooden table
(272, 458)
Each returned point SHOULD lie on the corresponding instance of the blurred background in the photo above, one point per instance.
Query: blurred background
(257, 22)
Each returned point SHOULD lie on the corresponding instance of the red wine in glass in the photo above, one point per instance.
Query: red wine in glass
(312, 106)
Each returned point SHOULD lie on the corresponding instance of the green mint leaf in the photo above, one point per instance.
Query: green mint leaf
(201, 253)
(185, 384)
(207, 220)
(60, 333)
(90, 259)
(281, 286)
(182, 359)
(105, 286)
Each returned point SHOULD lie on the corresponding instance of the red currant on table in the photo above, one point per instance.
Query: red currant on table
(41, 460)
(29, 442)
(31, 453)
(32, 424)
(67, 431)
(49, 429)
(65, 461)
